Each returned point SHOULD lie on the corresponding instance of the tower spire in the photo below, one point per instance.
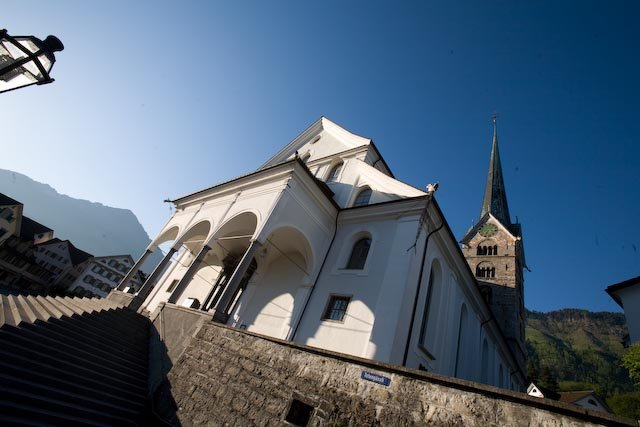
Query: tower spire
(495, 195)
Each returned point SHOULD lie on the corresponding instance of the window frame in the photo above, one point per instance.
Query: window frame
(348, 265)
(334, 172)
(328, 308)
(359, 193)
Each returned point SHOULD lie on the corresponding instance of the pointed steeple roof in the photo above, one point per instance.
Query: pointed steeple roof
(495, 195)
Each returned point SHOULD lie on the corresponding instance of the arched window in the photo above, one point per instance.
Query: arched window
(335, 172)
(363, 197)
(479, 250)
(485, 269)
(495, 249)
(359, 254)
(430, 319)
(490, 250)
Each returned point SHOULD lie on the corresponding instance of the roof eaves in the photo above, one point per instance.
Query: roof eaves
(612, 289)
(259, 171)
(8, 201)
(384, 162)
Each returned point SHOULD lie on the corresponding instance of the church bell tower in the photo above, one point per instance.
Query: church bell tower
(494, 251)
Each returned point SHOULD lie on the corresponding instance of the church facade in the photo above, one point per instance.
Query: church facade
(323, 246)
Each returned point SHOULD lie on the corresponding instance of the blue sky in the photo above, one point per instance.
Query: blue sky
(158, 99)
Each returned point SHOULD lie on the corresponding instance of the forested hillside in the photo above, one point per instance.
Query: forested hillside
(583, 350)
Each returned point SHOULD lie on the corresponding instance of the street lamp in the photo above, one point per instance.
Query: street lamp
(25, 61)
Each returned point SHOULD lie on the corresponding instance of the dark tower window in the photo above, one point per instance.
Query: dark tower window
(490, 250)
(495, 249)
(479, 250)
(485, 270)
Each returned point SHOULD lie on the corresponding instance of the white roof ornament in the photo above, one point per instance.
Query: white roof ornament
(432, 188)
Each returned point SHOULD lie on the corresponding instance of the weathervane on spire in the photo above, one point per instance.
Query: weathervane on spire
(494, 117)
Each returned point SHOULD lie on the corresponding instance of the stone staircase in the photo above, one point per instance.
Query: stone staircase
(72, 361)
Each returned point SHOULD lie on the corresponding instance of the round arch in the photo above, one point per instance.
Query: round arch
(195, 236)
(289, 239)
(170, 234)
(285, 265)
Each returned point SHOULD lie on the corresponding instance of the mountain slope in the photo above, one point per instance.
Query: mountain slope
(93, 227)
(579, 347)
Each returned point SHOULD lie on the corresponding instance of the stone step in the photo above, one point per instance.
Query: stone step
(68, 325)
(119, 322)
(16, 415)
(106, 376)
(60, 327)
(11, 314)
(55, 301)
(114, 325)
(84, 400)
(71, 307)
(87, 344)
(56, 406)
(33, 371)
(90, 304)
(26, 313)
(38, 309)
(77, 303)
(49, 306)
(85, 324)
(1, 311)
(61, 348)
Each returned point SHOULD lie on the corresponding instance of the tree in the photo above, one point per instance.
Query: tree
(631, 361)
(626, 405)
(547, 379)
(532, 372)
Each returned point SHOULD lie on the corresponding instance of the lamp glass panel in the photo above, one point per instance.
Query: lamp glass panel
(27, 73)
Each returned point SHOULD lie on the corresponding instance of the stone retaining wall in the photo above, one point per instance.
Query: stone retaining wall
(232, 377)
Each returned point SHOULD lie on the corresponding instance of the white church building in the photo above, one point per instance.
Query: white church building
(324, 247)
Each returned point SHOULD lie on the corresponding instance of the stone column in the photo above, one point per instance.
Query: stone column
(225, 302)
(134, 270)
(188, 275)
(151, 281)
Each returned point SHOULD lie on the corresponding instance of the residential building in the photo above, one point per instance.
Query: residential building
(104, 273)
(10, 217)
(627, 295)
(18, 233)
(63, 260)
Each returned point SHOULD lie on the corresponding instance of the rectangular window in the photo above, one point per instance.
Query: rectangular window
(172, 285)
(337, 308)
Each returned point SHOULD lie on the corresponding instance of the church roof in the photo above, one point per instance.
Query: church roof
(341, 140)
(495, 194)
